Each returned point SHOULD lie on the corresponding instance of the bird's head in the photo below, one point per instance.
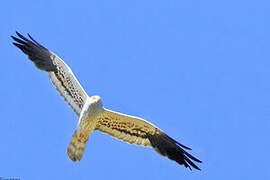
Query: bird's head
(96, 101)
(93, 106)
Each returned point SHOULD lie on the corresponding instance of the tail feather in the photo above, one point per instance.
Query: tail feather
(76, 148)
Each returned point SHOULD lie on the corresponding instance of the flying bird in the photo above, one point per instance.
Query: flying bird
(92, 114)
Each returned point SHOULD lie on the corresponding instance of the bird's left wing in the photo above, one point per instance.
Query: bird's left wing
(137, 131)
(60, 74)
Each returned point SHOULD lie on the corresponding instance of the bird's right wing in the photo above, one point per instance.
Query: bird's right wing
(60, 74)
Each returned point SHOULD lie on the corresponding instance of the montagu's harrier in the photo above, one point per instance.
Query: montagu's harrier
(93, 116)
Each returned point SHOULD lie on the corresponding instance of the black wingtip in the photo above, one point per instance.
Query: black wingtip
(18, 34)
(21, 36)
(35, 40)
(30, 37)
(18, 40)
(36, 52)
(190, 163)
(167, 146)
(25, 41)
(13, 38)
(18, 45)
(183, 146)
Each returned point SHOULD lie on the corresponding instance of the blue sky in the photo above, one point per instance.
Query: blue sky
(198, 69)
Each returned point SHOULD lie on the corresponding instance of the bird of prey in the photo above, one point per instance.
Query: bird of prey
(92, 114)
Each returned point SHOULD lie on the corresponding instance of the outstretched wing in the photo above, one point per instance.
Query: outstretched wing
(137, 131)
(60, 74)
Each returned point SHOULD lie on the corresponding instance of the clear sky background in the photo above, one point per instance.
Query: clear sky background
(199, 70)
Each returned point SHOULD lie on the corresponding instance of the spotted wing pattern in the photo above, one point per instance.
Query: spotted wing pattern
(137, 131)
(59, 73)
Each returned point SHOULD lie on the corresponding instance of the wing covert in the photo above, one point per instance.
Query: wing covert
(130, 129)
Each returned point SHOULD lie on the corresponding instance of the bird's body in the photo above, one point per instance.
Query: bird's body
(92, 114)
(88, 120)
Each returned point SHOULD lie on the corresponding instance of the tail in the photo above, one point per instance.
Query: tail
(76, 147)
